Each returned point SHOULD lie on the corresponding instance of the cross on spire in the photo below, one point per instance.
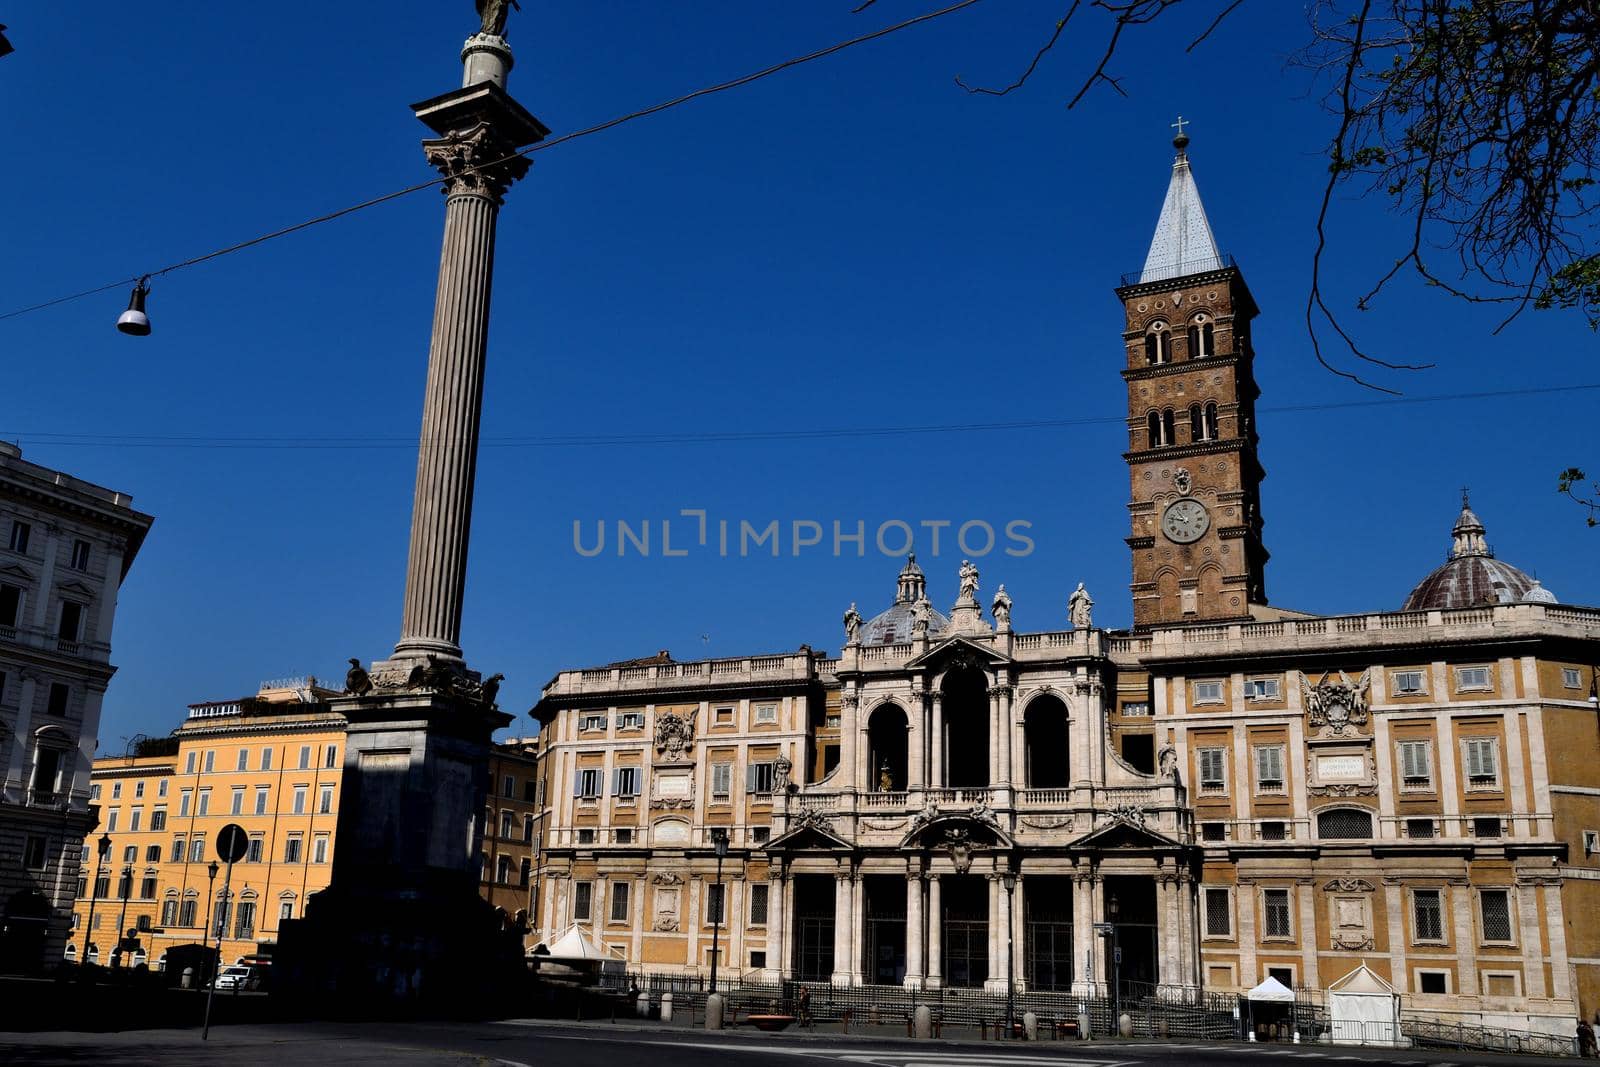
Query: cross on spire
(1464, 495)
(1180, 124)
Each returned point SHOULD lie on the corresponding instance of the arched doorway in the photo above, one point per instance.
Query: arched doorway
(966, 728)
(887, 769)
(23, 927)
(1044, 732)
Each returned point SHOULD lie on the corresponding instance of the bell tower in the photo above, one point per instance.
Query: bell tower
(1195, 504)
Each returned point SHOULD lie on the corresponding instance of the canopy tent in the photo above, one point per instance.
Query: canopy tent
(1271, 991)
(1268, 1011)
(576, 954)
(1363, 1009)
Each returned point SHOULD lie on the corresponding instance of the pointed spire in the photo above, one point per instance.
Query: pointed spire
(1182, 243)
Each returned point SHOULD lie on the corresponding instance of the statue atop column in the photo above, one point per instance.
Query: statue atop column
(1080, 608)
(1001, 609)
(921, 613)
(852, 625)
(492, 15)
(969, 583)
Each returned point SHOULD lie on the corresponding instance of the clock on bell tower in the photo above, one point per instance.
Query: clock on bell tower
(1195, 506)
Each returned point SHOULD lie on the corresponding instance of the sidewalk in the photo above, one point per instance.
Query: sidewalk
(237, 1046)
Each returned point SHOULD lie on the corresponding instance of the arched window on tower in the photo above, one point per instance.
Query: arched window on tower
(1158, 343)
(1202, 342)
(1168, 432)
(1154, 430)
(1197, 424)
(1211, 428)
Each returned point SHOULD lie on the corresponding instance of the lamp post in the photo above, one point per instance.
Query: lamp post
(104, 845)
(124, 890)
(211, 897)
(719, 840)
(1009, 880)
(1112, 909)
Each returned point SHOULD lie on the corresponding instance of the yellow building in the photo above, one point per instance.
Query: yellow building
(271, 763)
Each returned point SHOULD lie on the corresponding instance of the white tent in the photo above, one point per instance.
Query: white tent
(576, 953)
(1271, 991)
(1363, 1009)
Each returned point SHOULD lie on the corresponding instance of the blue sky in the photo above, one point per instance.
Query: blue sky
(854, 244)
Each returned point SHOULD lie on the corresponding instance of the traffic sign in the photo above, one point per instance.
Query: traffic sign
(232, 843)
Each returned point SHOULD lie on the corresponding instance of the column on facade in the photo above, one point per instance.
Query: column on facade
(848, 717)
(1529, 923)
(866, 775)
(1083, 942)
(995, 928)
(1244, 904)
(996, 742)
(935, 976)
(843, 934)
(1019, 932)
(1004, 934)
(1003, 728)
(1307, 924)
(936, 742)
(914, 740)
(777, 918)
(1188, 929)
(858, 927)
(1169, 968)
(1554, 914)
(914, 933)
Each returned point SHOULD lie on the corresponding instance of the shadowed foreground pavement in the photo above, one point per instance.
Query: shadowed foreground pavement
(519, 1043)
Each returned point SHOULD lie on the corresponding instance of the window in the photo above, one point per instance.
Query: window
(130, 854)
(527, 829)
(1591, 842)
(758, 779)
(266, 759)
(125, 886)
(20, 532)
(169, 913)
(325, 801)
(1482, 770)
(619, 902)
(1569, 675)
(1416, 771)
(188, 764)
(758, 903)
(506, 823)
(1219, 913)
(262, 794)
(1283, 975)
(186, 912)
(254, 853)
(630, 720)
(586, 835)
(1213, 831)
(1275, 904)
(197, 849)
(766, 713)
(161, 788)
(205, 801)
(760, 834)
(94, 790)
(177, 849)
(1160, 428)
(152, 854)
(1273, 830)
(627, 782)
(1269, 768)
(135, 816)
(111, 821)
(1208, 692)
(1201, 337)
(1261, 689)
(243, 761)
(502, 869)
(1495, 905)
(1157, 343)
(80, 555)
(116, 790)
(508, 786)
(593, 722)
(721, 780)
(33, 853)
(147, 887)
(530, 791)
(1408, 683)
(715, 896)
(238, 801)
(319, 849)
(589, 783)
(1213, 778)
(138, 790)
(1419, 828)
(291, 849)
(244, 923)
(1433, 982)
(102, 886)
(10, 604)
(184, 799)
(582, 898)
(624, 835)
(70, 625)
(723, 716)
(305, 757)
(758, 959)
(330, 756)
(1427, 915)
(299, 800)
(1486, 826)
(1472, 678)
(1136, 709)
(211, 761)
(1348, 824)
(525, 875)
(57, 704)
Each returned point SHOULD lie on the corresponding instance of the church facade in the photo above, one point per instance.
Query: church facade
(1226, 792)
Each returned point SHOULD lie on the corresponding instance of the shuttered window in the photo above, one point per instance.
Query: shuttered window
(625, 782)
(758, 779)
(1269, 768)
(1212, 775)
(1415, 769)
(721, 779)
(1482, 769)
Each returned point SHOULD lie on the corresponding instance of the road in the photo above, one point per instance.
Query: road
(537, 1044)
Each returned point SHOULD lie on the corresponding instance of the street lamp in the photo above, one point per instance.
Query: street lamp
(1112, 909)
(211, 896)
(104, 844)
(1009, 880)
(719, 840)
(125, 890)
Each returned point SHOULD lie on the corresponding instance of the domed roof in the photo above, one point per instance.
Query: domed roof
(1472, 577)
(893, 627)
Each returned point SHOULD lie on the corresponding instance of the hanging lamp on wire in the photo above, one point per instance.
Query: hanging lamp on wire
(134, 321)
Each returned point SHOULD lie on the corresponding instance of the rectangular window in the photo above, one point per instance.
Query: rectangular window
(1419, 828)
(138, 790)
(33, 853)
(102, 888)
(197, 849)
(205, 802)
(1569, 675)
(130, 854)
(291, 849)
(244, 923)
(766, 713)
(1208, 692)
(582, 898)
(1407, 683)
(134, 818)
(1137, 709)
(530, 792)
(169, 913)
(723, 716)
(1213, 772)
(508, 786)
(527, 829)
(758, 903)
(187, 913)
(1269, 768)
(593, 722)
(1274, 830)
(57, 704)
(760, 834)
(262, 794)
(758, 778)
(502, 869)
(80, 555)
(627, 784)
(211, 761)
(299, 800)
(1283, 975)
(624, 835)
(266, 758)
(1276, 906)
(256, 850)
(161, 788)
(1416, 770)
(71, 622)
(116, 790)
(152, 854)
(177, 850)
(1219, 913)
(1495, 905)
(94, 792)
(1482, 767)
(1486, 826)
(147, 888)
(630, 720)
(188, 764)
(111, 821)
(1433, 982)
(721, 780)
(325, 801)
(1472, 678)
(1261, 689)
(586, 835)
(715, 894)
(1213, 831)
(285, 910)
(305, 757)
(319, 849)
(242, 763)
(20, 532)
(238, 801)
(184, 800)
(505, 824)
(1427, 915)
(525, 875)
(619, 902)
(10, 604)
(589, 783)
(330, 756)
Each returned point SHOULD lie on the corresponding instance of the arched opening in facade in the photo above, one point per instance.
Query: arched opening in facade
(1158, 343)
(966, 728)
(1044, 732)
(887, 767)
(1210, 422)
(1202, 341)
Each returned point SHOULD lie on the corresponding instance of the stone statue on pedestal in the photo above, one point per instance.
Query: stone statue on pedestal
(1001, 608)
(1080, 607)
(921, 612)
(969, 582)
(852, 625)
(492, 15)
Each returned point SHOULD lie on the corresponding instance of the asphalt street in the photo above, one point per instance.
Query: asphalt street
(537, 1043)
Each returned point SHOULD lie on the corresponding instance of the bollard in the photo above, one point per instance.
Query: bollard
(1030, 1026)
(1163, 1028)
(1083, 1026)
(666, 1007)
(187, 981)
(714, 1011)
(642, 1006)
(922, 1021)
(1125, 1025)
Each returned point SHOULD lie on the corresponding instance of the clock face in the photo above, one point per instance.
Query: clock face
(1185, 520)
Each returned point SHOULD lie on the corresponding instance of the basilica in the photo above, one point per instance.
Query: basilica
(1226, 792)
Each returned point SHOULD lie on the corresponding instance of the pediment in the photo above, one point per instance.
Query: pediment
(811, 832)
(977, 827)
(1125, 833)
(952, 651)
(15, 571)
(77, 589)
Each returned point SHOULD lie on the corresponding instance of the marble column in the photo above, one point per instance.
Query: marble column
(935, 975)
(914, 964)
(1083, 937)
(858, 929)
(777, 921)
(480, 130)
(936, 777)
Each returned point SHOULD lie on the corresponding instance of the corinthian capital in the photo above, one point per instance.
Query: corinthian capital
(476, 162)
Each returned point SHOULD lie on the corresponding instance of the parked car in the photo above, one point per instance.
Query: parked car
(239, 977)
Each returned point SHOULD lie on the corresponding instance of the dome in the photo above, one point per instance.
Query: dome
(893, 627)
(1472, 577)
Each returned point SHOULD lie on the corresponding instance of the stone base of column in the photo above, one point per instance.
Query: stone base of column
(914, 981)
(995, 985)
(841, 979)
